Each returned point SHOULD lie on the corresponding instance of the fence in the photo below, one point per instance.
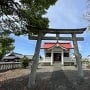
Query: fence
(9, 65)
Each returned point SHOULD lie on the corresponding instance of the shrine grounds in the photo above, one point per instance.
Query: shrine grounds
(54, 77)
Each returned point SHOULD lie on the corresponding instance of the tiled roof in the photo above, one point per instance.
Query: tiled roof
(48, 45)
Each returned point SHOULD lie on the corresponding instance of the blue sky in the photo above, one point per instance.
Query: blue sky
(64, 14)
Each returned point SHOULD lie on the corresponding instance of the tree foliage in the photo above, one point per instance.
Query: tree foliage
(33, 10)
(9, 11)
(32, 14)
(87, 13)
(21, 17)
(8, 7)
(6, 44)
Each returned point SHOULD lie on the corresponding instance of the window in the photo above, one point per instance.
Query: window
(66, 54)
(48, 54)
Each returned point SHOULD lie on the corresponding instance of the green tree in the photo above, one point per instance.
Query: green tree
(31, 19)
(24, 62)
(32, 13)
(6, 44)
(87, 14)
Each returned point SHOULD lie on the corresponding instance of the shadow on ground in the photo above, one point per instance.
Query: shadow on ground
(57, 80)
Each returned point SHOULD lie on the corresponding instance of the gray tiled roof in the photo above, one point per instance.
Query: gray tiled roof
(17, 55)
(10, 57)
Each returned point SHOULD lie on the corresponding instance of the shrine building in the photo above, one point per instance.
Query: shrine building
(58, 52)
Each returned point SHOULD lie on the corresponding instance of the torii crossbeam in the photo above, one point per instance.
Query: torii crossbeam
(59, 31)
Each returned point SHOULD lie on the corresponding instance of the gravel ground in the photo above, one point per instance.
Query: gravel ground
(11, 74)
(48, 78)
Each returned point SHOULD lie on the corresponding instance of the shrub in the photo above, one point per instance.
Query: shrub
(25, 62)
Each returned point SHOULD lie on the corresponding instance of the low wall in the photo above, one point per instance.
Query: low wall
(9, 65)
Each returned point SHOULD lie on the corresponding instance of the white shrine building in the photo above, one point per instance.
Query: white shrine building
(58, 52)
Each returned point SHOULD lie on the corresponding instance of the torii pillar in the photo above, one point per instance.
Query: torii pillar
(77, 56)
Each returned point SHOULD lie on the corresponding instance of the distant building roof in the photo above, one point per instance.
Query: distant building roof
(16, 56)
(29, 56)
(65, 45)
(10, 57)
(88, 56)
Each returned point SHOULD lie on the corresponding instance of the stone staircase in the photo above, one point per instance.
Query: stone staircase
(57, 63)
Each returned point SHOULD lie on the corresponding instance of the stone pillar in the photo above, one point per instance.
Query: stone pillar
(77, 56)
(52, 57)
(62, 59)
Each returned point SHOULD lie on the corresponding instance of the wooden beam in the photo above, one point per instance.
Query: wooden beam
(59, 38)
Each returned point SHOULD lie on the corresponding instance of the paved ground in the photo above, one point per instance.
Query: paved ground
(57, 82)
(54, 77)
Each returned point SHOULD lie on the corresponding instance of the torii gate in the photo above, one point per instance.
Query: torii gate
(73, 33)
